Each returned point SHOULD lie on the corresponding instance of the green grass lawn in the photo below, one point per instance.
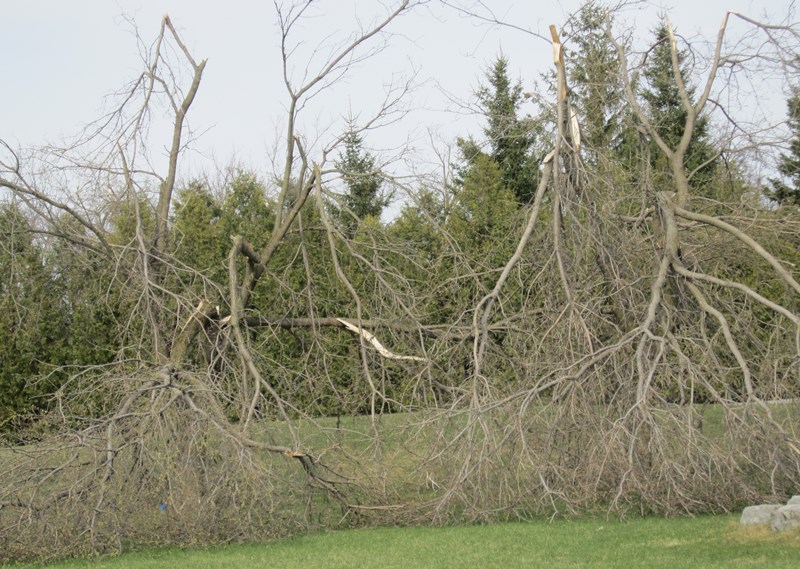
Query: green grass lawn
(708, 541)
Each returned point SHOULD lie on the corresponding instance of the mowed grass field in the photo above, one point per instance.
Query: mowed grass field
(701, 542)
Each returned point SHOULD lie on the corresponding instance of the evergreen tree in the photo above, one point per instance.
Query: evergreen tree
(418, 225)
(124, 220)
(363, 181)
(33, 329)
(789, 165)
(511, 138)
(85, 282)
(201, 242)
(668, 115)
(596, 89)
(483, 213)
(246, 211)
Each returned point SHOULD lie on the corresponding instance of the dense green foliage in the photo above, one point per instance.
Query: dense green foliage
(32, 327)
(597, 91)
(510, 138)
(668, 113)
(447, 247)
(789, 193)
(363, 183)
(57, 316)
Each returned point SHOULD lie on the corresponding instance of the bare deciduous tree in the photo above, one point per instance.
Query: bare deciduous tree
(575, 373)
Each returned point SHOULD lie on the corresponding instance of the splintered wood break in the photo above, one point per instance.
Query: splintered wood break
(558, 58)
(376, 344)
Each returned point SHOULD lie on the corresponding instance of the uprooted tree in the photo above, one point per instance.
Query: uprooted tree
(618, 342)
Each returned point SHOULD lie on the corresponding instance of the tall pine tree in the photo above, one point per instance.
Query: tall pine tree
(597, 90)
(511, 138)
(363, 182)
(668, 115)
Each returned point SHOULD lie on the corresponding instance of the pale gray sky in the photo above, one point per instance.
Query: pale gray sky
(60, 58)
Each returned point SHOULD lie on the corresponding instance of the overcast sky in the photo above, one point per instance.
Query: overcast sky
(60, 58)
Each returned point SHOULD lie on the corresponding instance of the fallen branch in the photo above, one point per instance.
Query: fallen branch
(376, 344)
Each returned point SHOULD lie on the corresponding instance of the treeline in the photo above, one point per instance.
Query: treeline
(64, 310)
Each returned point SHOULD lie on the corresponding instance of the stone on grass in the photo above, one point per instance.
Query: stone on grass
(759, 515)
(786, 517)
(794, 500)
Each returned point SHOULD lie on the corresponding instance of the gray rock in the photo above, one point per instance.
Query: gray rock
(794, 500)
(785, 517)
(759, 515)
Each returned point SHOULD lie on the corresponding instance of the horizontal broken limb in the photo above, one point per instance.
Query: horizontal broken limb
(376, 344)
(432, 331)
